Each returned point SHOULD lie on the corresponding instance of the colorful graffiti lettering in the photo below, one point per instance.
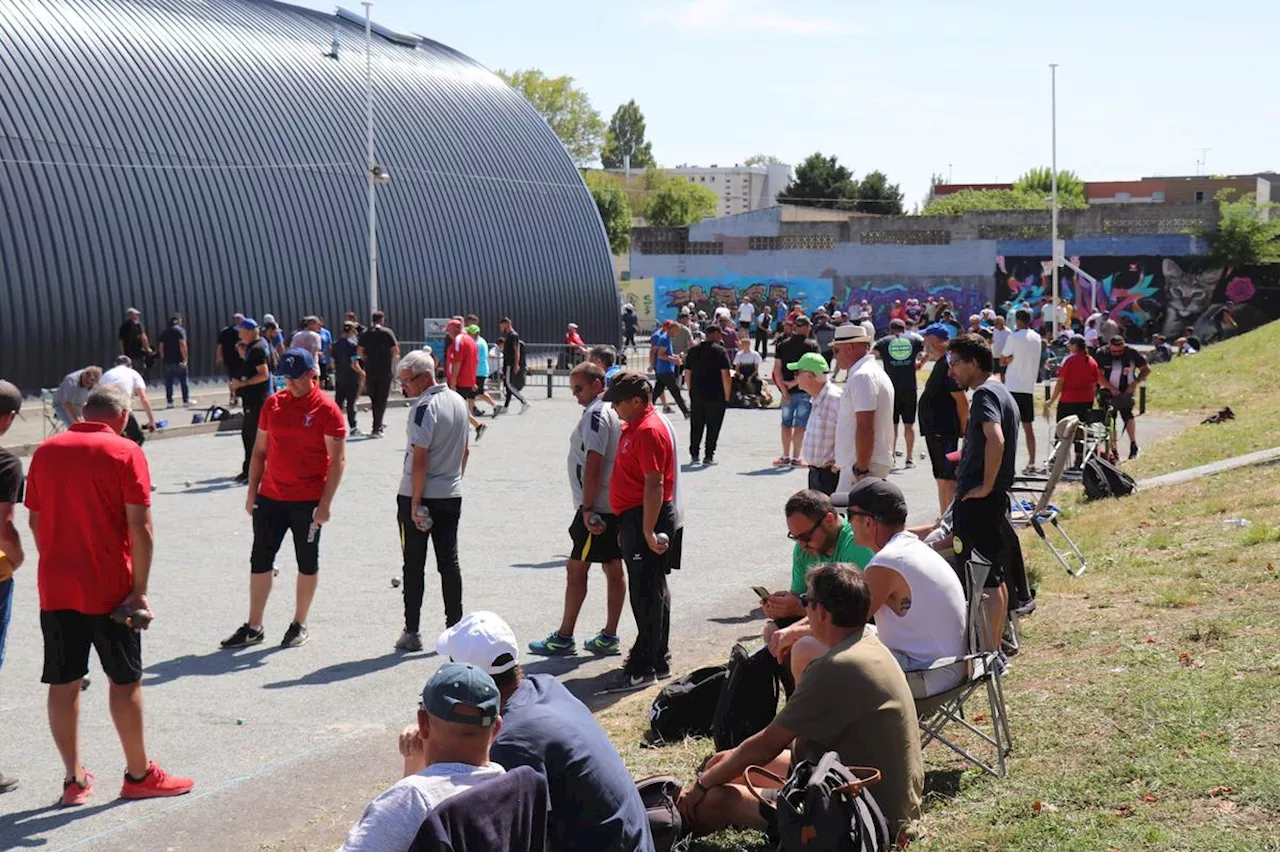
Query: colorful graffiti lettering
(706, 294)
(967, 294)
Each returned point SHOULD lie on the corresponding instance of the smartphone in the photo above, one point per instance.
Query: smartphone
(761, 592)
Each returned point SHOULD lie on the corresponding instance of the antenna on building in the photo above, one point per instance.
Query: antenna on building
(1202, 164)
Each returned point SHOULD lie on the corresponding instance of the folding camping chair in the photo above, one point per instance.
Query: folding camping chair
(1037, 512)
(52, 425)
(980, 670)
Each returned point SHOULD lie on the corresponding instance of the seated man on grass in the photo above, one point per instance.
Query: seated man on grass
(457, 723)
(853, 700)
(820, 535)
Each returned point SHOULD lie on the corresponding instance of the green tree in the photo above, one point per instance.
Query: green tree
(615, 210)
(820, 182)
(565, 107)
(761, 160)
(1248, 232)
(1040, 181)
(624, 137)
(875, 194)
(673, 202)
(967, 200)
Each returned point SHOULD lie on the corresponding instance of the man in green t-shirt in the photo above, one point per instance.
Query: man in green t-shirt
(820, 535)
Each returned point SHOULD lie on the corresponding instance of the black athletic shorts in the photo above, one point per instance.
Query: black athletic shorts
(939, 446)
(68, 635)
(904, 405)
(272, 521)
(1026, 407)
(976, 525)
(1122, 405)
(588, 547)
(468, 393)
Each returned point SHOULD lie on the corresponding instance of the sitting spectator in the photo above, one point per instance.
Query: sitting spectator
(820, 536)
(594, 801)
(916, 597)
(853, 700)
(457, 723)
(1162, 352)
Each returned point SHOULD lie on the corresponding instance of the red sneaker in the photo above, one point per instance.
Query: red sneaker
(74, 793)
(155, 785)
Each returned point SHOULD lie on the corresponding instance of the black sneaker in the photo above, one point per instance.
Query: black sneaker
(296, 635)
(1133, 451)
(244, 637)
(242, 479)
(625, 681)
(480, 430)
(709, 460)
(662, 673)
(694, 460)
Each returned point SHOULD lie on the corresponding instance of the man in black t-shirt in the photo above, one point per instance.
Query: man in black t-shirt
(348, 373)
(706, 374)
(173, 353)
(134, 341)
(795, 404)
(10, 543)
(513, 364)
(981, 511)
(253, 385)
(943, 413)
(380, 351)
(1123, 368)
(899, 352)
(227, 352)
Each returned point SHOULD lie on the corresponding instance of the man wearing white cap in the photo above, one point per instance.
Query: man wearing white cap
(594, 802)
(864, 426)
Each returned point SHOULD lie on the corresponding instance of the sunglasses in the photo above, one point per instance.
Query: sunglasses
(804, 537)
(852, 514)
(804, 600)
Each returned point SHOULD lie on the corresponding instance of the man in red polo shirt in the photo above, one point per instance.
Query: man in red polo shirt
(89, 500)
(641, 493)
(460, 369)
(1075, 388)
(298, 460)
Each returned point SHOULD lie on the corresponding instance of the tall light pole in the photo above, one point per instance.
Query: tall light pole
(1053, 192)
(372, 165)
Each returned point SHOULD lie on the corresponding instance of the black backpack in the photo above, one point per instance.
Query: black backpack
(659, 792)
(825, 807)
(687, 707)
(1102, 479)
(750, 697)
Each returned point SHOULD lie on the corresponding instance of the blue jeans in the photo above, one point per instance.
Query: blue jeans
(795, 412)
(6, 610)
(178, 372)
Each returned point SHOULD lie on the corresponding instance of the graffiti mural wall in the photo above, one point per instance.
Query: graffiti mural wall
(706, 294)
(968, 294)
(1150, 294)
(638, 292)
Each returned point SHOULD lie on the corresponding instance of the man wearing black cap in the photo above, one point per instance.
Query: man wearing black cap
(11, 553)
(458, 722)
(253, 384)
(134, 341)
(706, 374)
(642, 495)
(944, 413)
(298, 459)
(1123, 369)
(348, 372)
(380, 351)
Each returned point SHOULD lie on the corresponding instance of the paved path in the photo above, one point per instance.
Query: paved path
(1180, 476)
(287, 746)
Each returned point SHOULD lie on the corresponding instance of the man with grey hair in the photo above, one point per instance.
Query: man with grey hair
(429, 503)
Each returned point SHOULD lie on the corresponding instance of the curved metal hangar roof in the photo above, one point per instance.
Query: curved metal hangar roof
(208, 157)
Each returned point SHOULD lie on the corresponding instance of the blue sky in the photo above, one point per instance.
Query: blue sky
(909, 87)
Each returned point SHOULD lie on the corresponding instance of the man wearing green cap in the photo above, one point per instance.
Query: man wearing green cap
(482, 366)
(819, 445)
(457, 723)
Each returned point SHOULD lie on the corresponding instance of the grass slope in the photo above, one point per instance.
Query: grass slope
(1240, 373)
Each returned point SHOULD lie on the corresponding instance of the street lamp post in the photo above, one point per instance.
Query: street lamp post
(1053, 192)
(372, 166)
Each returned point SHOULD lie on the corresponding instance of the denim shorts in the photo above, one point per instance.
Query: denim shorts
(795, 412)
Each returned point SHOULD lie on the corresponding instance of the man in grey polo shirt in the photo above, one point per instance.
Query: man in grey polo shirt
(430, 497)
(73, 392)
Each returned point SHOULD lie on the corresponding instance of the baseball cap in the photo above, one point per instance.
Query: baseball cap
(938, 330)
(133, 311)
(462, 693)
(1117, 340)
(877, 497)
(852, 333)
(801, 320)
(481, 639)
(297, 363)
(573, 325)
(810, 362)
(268, 319)
(838, 315)
(10, 397)
(627, 386)
(454, 324)
(472, 329)
(124, 361)
(249, 324)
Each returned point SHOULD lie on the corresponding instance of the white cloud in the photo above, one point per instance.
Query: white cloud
(754, 16)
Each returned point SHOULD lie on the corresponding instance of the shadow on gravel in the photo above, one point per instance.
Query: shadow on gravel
(206, 486)
(768, 471)
(218, 662)
(558, 562)
(23, 830)
(756, 614)
(348, 670)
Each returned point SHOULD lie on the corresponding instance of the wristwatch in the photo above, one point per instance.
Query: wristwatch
(860, 471)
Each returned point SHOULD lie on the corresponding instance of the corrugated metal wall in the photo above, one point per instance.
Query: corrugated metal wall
(208, 157)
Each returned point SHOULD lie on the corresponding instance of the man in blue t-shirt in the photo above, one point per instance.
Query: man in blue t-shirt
(666, 367)
(594, 801)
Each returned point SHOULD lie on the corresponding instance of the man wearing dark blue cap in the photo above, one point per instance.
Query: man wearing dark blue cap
(298, 458)
(252, 384)
(943, 413)
(457, 723)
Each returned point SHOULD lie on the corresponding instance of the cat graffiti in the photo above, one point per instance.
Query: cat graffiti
(1188, 298)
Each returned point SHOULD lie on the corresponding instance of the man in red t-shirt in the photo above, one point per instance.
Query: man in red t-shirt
(298, 459)
(641, 493)
(89, 501)
(1077, 384)
(460, 369)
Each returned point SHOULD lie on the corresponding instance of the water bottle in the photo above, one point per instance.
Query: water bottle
(422, 519)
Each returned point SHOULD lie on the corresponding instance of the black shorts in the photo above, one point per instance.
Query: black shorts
(1026, 407)
(272, 519)
(977, 526)
(1122, 405)
(588, 547)
(939, 446)
(468, 393)
(69, 634)
(636, 550)
(904, 405)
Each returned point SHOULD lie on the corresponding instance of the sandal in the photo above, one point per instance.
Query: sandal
(781, 461)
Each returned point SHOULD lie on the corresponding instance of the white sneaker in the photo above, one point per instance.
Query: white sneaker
(524, 406)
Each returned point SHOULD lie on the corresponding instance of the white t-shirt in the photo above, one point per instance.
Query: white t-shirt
(867, 388)
(127, 379)
(999, 338)
(748, 359)
(932, 627)
(392, 820)
(1023, 347)
(1090, 336)
(597, 432)
(746, 312)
